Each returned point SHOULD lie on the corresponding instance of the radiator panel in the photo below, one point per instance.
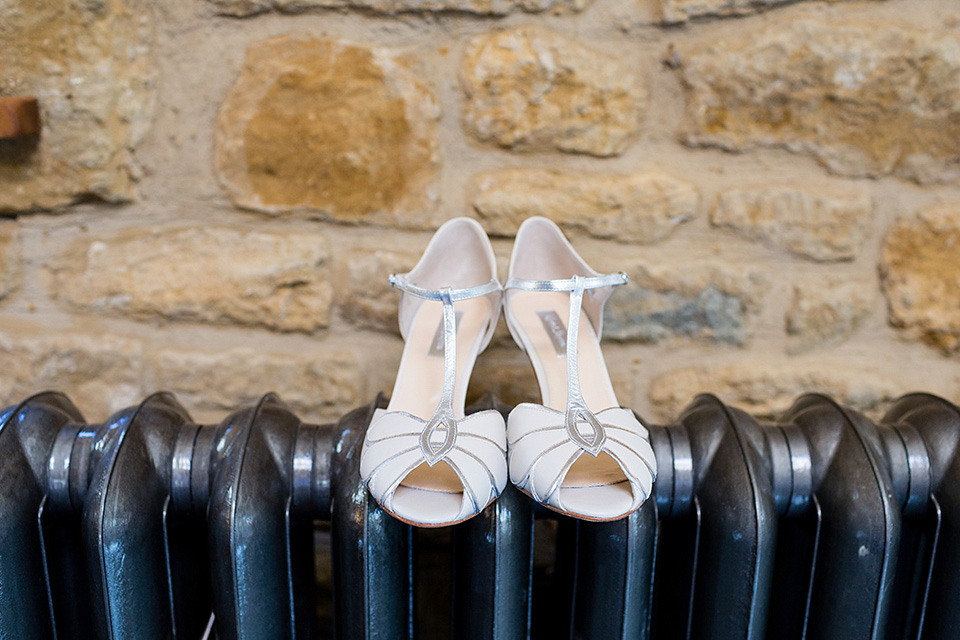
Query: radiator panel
(860, 522)
(250, 524)
(935, 549)
(820, 525)
(28, 434)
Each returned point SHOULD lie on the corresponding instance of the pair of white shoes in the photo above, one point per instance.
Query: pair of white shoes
(429, 465)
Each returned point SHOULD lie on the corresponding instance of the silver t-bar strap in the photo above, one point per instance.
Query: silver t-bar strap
(444, 415)
(576, 406)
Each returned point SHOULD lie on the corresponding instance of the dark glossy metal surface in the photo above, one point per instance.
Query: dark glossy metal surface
(493, 549)
(858, 525)
(821, 525)
(613, 570)
(142, 559)
(791, 468)
(373, 590)
(28, 433)
(251, 525)
(928, 582)
(673, 489)
(724, 546)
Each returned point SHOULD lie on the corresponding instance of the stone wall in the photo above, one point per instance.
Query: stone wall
(222, 186)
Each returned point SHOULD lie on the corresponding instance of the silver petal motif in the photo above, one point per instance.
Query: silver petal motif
(394, 448)
(593, 445)
(542, 450)
(434, 455)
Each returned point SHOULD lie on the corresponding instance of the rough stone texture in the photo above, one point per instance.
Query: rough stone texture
(366, 299)
(530, 87)
(344, 132)
(215, 275)
(624, 385)
(506, 372)
(675, 11)
(242, 8)
(866, 99)
(765, 390)
(101, 374)
(319, 385)
(712, 303)
(920, 269)
(827, 312)
(338, 131)
(91, 67)
(9, 257)
(814, 225)
(643, 207)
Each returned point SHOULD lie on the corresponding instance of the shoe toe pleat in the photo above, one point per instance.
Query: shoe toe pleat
(479, 482)
(635, 466)
(550, 469)
(392, 451)
(387, 476)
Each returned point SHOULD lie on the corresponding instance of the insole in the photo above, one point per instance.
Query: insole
(535, 317)
(419, 382)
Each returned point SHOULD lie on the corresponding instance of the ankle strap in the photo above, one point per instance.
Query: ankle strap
(569, 284)
(400, 282)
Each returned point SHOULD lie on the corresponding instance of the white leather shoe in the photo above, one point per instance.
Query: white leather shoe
(579, 452)
(422, 460)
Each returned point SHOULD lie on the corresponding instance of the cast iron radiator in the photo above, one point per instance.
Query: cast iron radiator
(821, 525)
